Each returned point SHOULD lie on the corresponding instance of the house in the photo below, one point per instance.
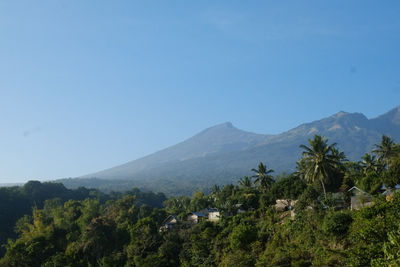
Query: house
(213, 215)
(360, 198)
(388, 191)
(169, 223)
(196, 217)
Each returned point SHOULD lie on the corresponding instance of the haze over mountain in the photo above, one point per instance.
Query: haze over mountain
(223, 153)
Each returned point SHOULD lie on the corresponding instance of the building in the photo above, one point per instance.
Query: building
(389, 191)
(213, 215)
(196, 217)
(169, 223)
(360, 198)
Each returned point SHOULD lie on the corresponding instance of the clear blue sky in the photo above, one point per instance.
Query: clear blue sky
(86, 85)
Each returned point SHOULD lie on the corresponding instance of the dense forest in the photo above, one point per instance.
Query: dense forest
(330, 212)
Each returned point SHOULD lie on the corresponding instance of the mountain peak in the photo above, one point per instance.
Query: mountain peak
(340, 114)
(222, 127)
(343, 115)
(392, 116)
(227, 124)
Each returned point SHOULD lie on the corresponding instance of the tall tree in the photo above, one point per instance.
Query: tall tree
(319, 160)
(369, 163)
(245, 182)
(263, 177)
(386, 150)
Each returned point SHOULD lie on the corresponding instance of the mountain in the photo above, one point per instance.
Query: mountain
(389, 122)
(223, 153)
(222, 138)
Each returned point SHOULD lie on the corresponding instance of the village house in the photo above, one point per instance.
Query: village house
(360, 198)
(196, 217)
(169, 223)
(213, 215)
(389, 191)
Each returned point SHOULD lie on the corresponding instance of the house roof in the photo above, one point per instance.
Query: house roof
(389, 190)
(198, 214)
(358, 189)
(170, 218)
(385, 187)
(212, 210)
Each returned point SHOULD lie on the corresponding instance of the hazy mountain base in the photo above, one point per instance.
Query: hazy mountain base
(184, 187)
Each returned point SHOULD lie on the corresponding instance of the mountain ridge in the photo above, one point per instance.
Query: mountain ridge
(201, 144)
(223, 153)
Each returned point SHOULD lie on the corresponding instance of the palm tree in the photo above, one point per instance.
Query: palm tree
(386, 150)
(340, 156)
(319, 160)
(263, 177)
(245, 182)
(300, 169)
(369, 163)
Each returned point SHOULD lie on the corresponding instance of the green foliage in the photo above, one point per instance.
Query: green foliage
(199, 201)
(16, 202)
(242, 236)
(290, 187)
(321, 162)
(392, 176)
(263, 177)
(387, 150)
(309, 198)
(238, 258)
(391, 251)
(337, 223)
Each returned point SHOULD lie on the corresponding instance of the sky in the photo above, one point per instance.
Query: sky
(87, 85)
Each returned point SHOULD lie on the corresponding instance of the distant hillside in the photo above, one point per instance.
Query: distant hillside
(223, 153)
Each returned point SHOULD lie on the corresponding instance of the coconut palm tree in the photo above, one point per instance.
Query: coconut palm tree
(245, 182)
(340, 158)
(319, 161)
(263, 177)
(386, 150)
(369, 163)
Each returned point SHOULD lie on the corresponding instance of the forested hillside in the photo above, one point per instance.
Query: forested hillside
(329, 212)
(15, 202)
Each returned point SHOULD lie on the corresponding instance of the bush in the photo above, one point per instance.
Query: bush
(242, 236)
(337, 223)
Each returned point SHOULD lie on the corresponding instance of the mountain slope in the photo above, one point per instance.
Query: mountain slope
(224, 153)
(221, 138)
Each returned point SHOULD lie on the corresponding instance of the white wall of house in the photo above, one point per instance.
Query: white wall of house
(213, 216)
